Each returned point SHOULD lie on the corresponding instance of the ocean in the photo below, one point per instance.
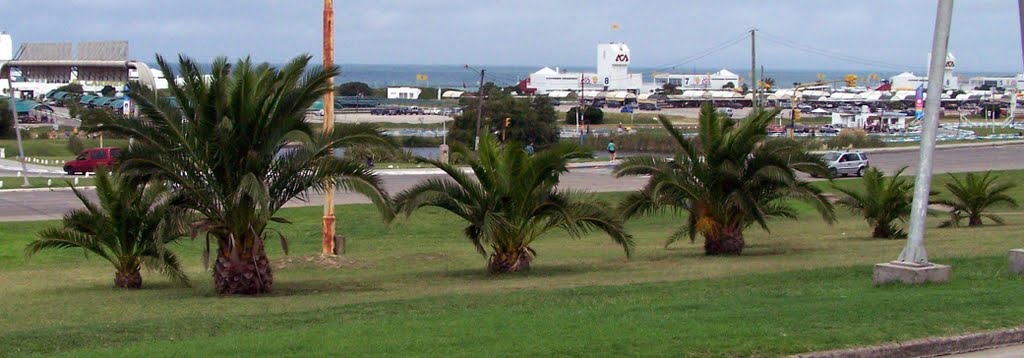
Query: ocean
(459, 77)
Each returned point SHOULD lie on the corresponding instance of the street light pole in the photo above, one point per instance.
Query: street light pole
(915, 252)
(17, 130)
(479, 111)
(328, 218)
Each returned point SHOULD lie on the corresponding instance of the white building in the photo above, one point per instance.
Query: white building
(6, 54)
(706, 81)
(404, 93)
(999, 82)
(907, 81)
(612, 74)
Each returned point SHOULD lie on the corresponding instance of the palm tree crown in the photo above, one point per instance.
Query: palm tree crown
(129, 226)
(974, 195)
(882, 202)
(236, 145)
(729, 176)
(510, 200)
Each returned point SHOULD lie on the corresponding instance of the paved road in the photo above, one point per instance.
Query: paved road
(1003, 352)
(44, 205)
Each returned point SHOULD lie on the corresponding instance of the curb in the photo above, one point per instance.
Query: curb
(929, 347)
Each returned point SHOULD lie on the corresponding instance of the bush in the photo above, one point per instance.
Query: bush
(854, 138)
(591, 115)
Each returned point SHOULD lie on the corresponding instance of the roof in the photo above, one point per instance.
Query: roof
(558, 94)
(725, 73)
(619, 95)
(546, 71)
(25, 105)
(452, 94)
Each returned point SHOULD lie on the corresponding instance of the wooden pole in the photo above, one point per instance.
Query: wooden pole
(328, 219)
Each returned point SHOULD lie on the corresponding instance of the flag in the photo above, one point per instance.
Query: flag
(615, 26)
(421, 77)
(919, 102)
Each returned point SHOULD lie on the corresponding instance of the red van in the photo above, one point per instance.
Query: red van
(90, 159)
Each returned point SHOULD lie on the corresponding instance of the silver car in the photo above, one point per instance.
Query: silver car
(846, 163)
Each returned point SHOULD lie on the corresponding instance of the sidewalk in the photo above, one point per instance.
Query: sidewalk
(14, 165)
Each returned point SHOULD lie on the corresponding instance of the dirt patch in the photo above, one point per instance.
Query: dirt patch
(319, 261)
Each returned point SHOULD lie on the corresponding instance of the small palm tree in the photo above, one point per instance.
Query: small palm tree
(973, 196)
(728, 177)
(130, 227)
(236, 145)
(883, 202)
(511, 200)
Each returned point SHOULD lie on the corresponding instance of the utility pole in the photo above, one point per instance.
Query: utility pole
(579, 111)
(479, 110)
(328, 219)
(753, 68)
(913, 266)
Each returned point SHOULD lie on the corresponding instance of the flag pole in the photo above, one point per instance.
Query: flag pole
(328, 218)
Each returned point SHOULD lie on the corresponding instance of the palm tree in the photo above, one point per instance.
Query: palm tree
(130, 227)
(510, 200)
(727, 178)
(236, 146)
(883, 202)
(973, 196)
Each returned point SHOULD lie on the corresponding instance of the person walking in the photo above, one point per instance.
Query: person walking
(611, 149)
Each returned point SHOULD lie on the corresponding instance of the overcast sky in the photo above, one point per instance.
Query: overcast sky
(880, 34)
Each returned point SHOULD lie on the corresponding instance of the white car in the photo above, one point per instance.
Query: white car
(846, 163)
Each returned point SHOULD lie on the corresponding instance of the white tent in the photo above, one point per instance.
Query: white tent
(559, 94)
(620, 95)
(452, 94)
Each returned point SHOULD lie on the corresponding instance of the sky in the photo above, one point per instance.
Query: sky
(809, 34)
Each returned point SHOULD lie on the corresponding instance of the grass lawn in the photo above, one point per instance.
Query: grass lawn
(37, 182)
(417, 288)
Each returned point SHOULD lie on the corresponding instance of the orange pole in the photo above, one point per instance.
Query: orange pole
(328, 219)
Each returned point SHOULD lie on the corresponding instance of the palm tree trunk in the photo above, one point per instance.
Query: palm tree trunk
(130, 279)
(881, 231)
(249, 274)
(975, 220)
(726, 242)
(508, 262)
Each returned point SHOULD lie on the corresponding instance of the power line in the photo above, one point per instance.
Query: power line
(779, 40)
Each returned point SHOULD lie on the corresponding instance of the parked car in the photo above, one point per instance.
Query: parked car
(649, 107)
(828, 128)
(846, 163)
(776, 129)
(613, 104)
(800, 128)
(726, 111)
(90, 159)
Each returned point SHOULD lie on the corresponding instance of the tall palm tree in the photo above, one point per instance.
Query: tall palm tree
(129, 226)
(882, 202)
(236, 145)
(510, 200)
(973, 196)
(728, 177)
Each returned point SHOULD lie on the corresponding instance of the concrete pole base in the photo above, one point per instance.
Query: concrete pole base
(1017, 261)
(909, 273)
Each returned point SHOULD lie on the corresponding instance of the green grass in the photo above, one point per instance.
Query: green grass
(38, 182)
(417, 288)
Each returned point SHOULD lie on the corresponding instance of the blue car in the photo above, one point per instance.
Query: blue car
(626, 109)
